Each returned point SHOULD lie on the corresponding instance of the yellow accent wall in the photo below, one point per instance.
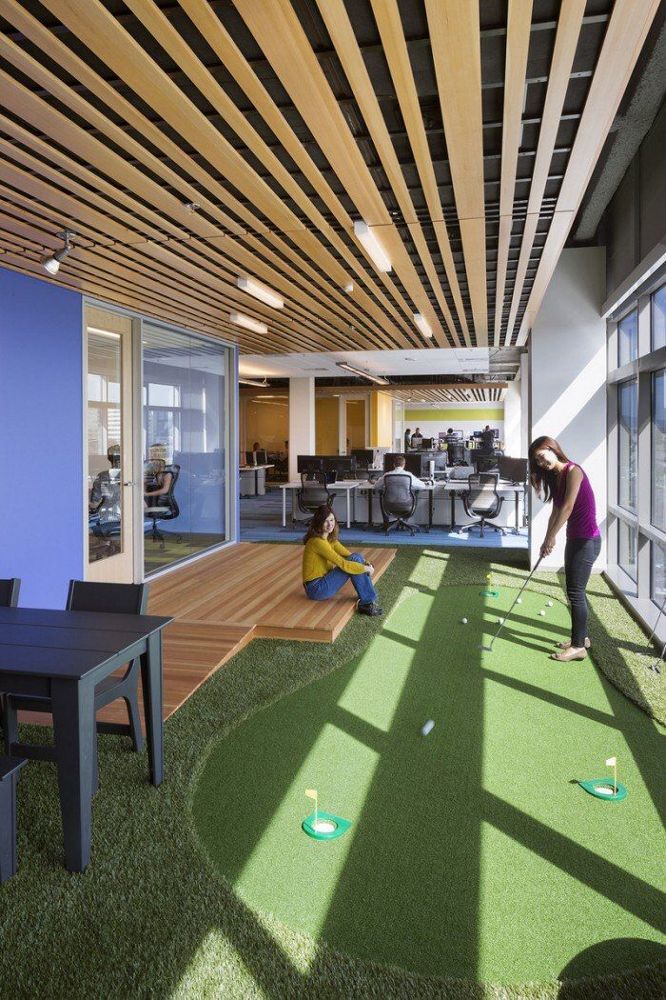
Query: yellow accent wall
(266, 422)
(450, 416)
(381, 420)
(355, 423)
(326, 426)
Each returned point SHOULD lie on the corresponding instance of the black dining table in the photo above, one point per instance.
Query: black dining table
(63, 655)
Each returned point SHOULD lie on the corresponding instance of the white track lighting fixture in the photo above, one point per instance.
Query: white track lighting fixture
(240, 319)
(52, 261)
(379, 379)
(375, 250)
(422, 324)
(260, 291)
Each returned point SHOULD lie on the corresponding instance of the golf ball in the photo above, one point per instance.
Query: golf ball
(519, 601)
(542, 612)
(550, 604)
(464, 621)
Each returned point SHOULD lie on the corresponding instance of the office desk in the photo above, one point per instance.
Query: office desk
(256, 469)
(63, 655)
(343, 486)
(458, 487)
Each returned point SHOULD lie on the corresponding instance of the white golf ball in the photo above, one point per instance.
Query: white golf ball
(550, 604)
(464, 621)
(542, 612)
(519, 601)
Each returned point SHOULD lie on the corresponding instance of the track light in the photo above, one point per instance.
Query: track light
(379, 379)
(375, 250)
(422, 324)
(260, 291)
(253, 381)
(240, 319)
(52, 261)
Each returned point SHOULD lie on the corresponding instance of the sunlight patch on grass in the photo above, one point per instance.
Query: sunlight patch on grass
(386, 665)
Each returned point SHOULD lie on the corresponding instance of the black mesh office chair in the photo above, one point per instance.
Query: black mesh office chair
(314, 493)
(482, 500)
(397, 500)
(165, 507)
(485, 461)
(118, 598)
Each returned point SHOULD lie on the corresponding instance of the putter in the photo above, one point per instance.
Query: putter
(489, 649)
(655, 666)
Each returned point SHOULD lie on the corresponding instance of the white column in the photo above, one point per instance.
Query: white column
(568, 383)
(342, 424)
(512, 415)
(524, 404)
(301, 421)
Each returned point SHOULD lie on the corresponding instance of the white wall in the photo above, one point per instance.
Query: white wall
(512, 414)
(456, 416)
(568, 383)
(301, 422)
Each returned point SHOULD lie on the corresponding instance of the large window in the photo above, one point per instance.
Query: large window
(627, 338)
(184, 445)
(627, 421)
(658, 463)
(658, 306)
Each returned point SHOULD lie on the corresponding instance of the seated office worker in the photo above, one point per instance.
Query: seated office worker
(328, 565)
(399, 468)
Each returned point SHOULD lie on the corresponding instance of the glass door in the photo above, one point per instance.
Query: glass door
(108, 340)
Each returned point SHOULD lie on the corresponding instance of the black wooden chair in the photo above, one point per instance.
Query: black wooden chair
(165, 507)
(118, 598)
(314, 493)
(483, 501)
(397, 500)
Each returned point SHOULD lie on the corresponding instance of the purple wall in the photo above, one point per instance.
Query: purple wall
(41, 438)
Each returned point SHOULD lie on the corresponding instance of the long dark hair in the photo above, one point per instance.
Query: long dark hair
(316, 528)
(544, 480)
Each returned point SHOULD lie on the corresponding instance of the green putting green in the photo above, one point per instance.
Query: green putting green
(472, 854)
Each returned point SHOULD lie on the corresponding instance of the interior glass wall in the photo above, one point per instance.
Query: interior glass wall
(184, 445)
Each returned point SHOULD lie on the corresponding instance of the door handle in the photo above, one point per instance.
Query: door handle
(129, 482)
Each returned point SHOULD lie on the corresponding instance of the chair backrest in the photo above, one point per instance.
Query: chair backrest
(482, 496)
(397, 495)
(485, 462)
(313, 492)
(456, 452)
(120, 598)
(168, 500)
(460, 472)
(9, 592)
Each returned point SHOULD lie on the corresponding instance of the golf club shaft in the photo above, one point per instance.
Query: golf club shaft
(501, 624)
(655, 666)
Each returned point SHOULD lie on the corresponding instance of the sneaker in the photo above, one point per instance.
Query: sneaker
(373, 610)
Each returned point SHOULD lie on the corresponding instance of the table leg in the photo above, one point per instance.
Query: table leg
(453, 509)
(370, 492)
(430, 493)
(348, 492)
(151, 680)
(515, 497)
(73, 708)
(284, 508)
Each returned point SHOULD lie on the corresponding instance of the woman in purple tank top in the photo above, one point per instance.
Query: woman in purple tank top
(555, 478)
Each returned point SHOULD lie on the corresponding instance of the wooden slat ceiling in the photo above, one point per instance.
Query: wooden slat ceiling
(413, 394)
(464, 134)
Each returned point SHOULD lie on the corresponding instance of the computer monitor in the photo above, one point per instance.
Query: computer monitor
(427, 444)
(416, 440)
(250, 458)
(364, 457)
(514, 470)
(412, 462)
(309, 463)
(343, 465)
(261, 456)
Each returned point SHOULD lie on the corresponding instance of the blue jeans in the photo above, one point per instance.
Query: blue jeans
(579, 557)
(325, 586)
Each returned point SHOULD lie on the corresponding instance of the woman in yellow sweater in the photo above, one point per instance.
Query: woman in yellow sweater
(327, 565)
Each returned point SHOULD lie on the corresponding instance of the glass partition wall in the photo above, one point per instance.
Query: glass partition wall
(637, 450)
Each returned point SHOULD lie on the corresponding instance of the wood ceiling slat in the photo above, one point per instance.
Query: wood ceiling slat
(517, 45)
(566, 40)
(284, 42)
(394, 44)
(625, 35)
(456, 52)
(101, 33)
(342, 35)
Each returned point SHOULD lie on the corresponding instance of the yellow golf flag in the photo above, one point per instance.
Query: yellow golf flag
(611, 762)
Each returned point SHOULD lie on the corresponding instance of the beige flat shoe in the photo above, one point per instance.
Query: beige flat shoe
(567, 645)
(568, 654)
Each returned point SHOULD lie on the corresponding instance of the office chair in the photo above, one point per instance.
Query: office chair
(314, 493)
(456, 453)
(118, 598)
(482, 500)
(484, 461)
(166, 506)
(397, 500)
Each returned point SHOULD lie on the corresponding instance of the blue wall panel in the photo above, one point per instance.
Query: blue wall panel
(41, 438)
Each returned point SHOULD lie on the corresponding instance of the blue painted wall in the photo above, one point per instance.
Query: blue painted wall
(41, 438)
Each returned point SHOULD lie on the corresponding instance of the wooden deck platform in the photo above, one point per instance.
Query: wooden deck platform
(220, 603)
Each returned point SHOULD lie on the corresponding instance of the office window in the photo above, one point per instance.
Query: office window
(627, 416)
(658, 318)
(657, 573)
(627, 338)
(627, 548)
(658, 462)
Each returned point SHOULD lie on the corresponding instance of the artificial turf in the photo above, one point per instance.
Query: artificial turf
(152, 917)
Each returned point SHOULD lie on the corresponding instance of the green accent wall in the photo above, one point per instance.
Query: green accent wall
(448, 416)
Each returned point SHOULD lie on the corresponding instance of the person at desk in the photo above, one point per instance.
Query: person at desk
(399, 469)
(408, 439)
(104, 499)
(156, 481)
(328, 565)
(417, 438)
(487, 439)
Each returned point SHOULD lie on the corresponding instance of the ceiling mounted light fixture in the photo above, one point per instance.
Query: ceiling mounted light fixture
(260, 291)
(375, 250)
(52, 261)
(379, 379)
(423, 325)
(240, 319)
(349, 287)
(253, 381)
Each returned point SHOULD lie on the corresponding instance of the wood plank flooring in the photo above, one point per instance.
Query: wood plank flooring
(220, 603)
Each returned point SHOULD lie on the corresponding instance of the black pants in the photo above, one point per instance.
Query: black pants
(579, 557)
